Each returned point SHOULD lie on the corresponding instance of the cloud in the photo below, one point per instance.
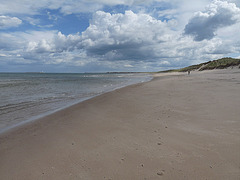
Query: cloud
(32, 21)
(203, 25)
(132, 40)
(8, 22)
(30, 7)
(130, 37)
(66, 7)
(55, 43)
(114, 37)
(124, 36)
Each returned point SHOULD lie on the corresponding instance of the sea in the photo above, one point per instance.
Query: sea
(28, 96)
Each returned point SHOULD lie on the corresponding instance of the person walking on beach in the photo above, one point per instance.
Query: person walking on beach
(188, 72)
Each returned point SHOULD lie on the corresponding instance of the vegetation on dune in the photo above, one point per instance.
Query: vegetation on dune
(221, 64)
(216, 64)
(193, 67)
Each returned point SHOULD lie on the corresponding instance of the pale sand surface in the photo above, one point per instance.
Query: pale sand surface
(174, 127)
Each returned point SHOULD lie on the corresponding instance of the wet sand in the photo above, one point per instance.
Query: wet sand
(177, 126)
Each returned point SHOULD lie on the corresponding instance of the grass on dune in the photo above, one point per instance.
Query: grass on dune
(215, 64)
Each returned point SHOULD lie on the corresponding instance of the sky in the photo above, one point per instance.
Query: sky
(75, 36)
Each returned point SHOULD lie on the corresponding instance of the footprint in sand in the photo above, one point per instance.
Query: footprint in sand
(161, 173)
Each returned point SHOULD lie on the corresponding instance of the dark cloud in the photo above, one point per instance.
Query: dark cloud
(204, 24)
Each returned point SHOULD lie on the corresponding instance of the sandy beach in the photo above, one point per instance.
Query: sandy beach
(176, 126)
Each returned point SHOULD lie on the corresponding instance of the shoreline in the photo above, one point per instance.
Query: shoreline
(43, 115)
(172, 127)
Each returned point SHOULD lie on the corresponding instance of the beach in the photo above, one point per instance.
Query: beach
(176, 126)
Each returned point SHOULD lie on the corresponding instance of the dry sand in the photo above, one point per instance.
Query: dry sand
(174, 127)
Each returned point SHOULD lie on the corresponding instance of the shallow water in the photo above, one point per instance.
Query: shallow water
(25, 96)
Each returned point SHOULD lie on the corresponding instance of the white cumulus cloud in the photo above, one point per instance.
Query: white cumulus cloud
(124, 36)
(120, 36)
